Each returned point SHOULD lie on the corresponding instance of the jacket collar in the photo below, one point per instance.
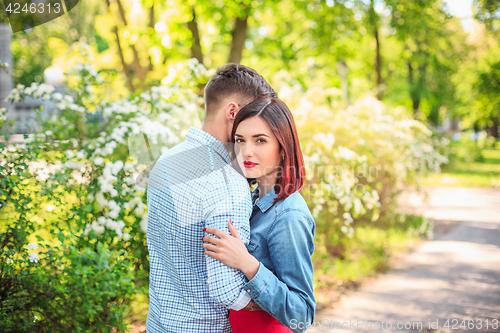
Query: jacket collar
(266, 201)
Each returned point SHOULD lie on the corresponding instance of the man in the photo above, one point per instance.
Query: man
(193, 186)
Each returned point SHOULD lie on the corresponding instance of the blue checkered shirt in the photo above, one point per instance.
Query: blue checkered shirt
(193, 186)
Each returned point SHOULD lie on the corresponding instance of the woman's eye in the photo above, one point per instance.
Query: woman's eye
(262, 140)
(238, 140)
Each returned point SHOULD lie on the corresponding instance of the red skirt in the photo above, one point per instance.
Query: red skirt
(244, 321)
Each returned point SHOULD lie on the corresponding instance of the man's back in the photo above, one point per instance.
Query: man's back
(193, 186)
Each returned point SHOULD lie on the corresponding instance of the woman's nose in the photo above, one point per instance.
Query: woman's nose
(247, 151)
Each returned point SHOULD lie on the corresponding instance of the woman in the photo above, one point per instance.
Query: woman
(277, 261)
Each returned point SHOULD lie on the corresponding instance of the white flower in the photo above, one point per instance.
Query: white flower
(77, 68)
(347, 217)
(80, 155)
(57, 96)
(32, 246)
(126, 236)
(99, 161)
(10, 261)
(146, 96)
(128, 166)
(70, 154)
(144, 223)
(346, 153)
(101, 201)
(88, 227)
(121, 224)
(34, 257)
(117, 166)
(128, 180)
(97, 227)
(113, 214)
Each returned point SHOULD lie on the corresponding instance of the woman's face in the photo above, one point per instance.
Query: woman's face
(257, 149)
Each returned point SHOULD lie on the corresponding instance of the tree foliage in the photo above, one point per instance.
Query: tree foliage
(406, 52)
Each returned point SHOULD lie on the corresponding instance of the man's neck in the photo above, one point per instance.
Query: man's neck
(217, 131)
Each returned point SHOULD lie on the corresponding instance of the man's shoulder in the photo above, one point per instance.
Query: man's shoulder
(227, 180)
(177, 149)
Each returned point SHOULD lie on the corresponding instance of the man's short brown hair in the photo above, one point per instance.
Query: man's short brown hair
(235, 79)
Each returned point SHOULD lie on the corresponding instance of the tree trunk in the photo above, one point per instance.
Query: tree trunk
(416, 104)
(413, 91)
(120, 52)
(373, 19)
(336, 251)
(378, 65)
(139, 71)
(238, 42)
(196, 46)
(493, 130)
(124, 64)
(151, 25)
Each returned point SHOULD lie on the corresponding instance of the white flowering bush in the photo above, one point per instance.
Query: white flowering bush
(79, 174)
(358, 160)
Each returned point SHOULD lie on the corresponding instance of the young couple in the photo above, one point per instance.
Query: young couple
(223, 258)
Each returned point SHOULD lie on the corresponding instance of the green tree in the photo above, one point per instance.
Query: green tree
(488, 11)
(478, 83)
(433, 47)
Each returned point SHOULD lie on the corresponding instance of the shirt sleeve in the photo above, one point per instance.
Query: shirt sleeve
(288, 296)
(231, 202)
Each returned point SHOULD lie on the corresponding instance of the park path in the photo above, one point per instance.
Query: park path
(454, 276)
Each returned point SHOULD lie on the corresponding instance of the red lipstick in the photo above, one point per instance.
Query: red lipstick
(249, 164)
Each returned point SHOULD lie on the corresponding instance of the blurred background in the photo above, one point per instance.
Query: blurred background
(436, 58)
(389, 97)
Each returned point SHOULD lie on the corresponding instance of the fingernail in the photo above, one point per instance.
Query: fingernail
(201, 238)
(231, 221)
(204, 229)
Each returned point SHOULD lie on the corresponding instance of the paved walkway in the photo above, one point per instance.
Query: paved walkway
(453, 278)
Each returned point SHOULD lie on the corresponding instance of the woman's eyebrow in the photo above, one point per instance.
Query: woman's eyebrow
(254, 136)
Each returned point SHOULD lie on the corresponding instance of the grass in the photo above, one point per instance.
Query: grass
(138, 310)
(369, 252)
(458, 173)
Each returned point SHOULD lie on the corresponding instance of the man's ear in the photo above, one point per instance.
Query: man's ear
(231, 111)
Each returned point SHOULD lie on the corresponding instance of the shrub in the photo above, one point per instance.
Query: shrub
(77, 174)
(358, 159)
(64, 288)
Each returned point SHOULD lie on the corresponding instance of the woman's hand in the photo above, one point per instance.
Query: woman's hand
(230, 250)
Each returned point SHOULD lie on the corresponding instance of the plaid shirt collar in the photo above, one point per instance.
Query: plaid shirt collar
(222, 149)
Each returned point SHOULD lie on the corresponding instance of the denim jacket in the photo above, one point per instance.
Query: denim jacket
(282, 239)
